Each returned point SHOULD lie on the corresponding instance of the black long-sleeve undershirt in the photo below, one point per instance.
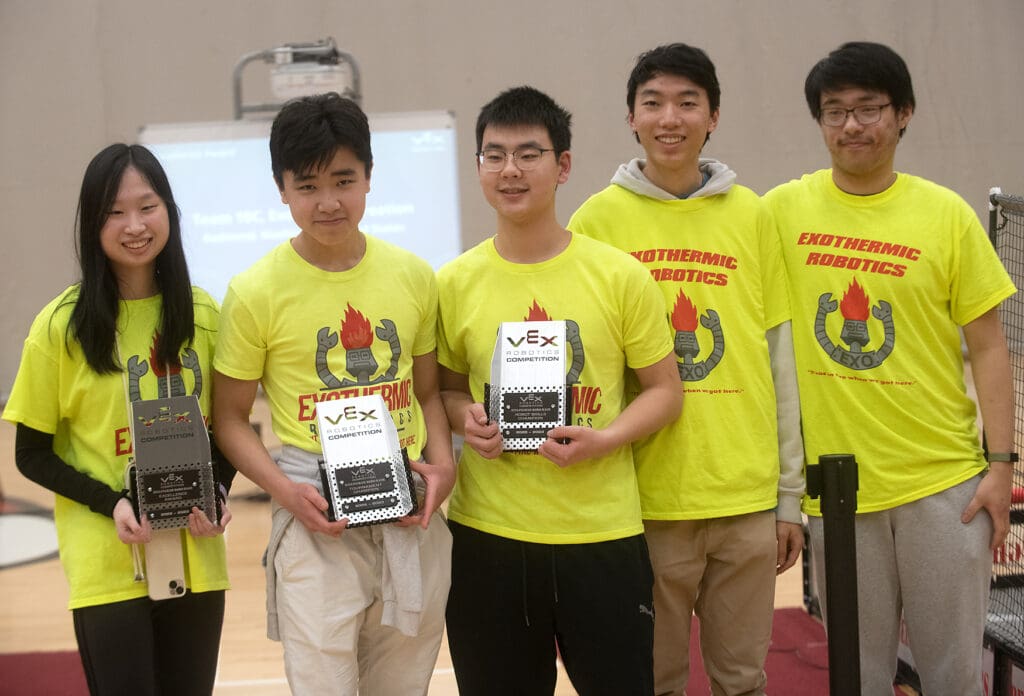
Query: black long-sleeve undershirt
(36, 460)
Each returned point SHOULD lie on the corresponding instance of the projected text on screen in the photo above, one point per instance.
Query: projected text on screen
(231, 210)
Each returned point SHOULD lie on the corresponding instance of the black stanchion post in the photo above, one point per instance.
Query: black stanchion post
(834, 480)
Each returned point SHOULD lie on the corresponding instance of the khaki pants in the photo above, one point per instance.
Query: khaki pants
(329, 610)
(723, 570)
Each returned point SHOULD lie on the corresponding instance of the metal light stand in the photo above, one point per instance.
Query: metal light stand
(323, 52)
(834, 480)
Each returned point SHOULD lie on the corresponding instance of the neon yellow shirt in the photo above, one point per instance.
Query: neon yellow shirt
(717, 262)
(57, 392)
(880, 286)
(311, 335)
(616, 319)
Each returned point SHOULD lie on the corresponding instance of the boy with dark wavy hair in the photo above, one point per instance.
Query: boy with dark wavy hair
(886, 269)
(329, 314)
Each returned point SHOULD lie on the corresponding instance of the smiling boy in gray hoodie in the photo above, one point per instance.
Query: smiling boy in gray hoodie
(720, 488)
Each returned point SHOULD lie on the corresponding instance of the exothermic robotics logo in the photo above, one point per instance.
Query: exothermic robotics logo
(586, 398)
(353, 370)
(357, 339)
(856, 311)
(687, 347)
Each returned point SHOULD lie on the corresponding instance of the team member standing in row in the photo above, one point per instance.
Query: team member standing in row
(721, 511)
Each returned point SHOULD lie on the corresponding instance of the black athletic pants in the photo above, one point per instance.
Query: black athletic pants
(151, 648)
(511, 602)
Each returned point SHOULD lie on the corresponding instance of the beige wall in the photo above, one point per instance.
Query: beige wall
(78, 74)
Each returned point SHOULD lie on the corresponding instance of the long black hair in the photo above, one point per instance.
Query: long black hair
(94, 318)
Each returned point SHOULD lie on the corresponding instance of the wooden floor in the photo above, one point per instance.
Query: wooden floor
(33, 614)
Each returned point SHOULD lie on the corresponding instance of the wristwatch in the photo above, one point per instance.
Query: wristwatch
(1011, 457)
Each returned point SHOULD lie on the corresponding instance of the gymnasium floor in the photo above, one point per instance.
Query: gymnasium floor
(33, 613)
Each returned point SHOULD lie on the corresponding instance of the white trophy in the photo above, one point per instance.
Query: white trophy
(364, 471)
(528, 395)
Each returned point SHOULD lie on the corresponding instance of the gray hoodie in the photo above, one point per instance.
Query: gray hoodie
(718, 178)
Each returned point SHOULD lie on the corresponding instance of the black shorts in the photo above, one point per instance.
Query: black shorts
(512, 602)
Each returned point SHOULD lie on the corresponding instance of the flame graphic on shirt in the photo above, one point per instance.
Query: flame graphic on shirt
(856, 305)
(355, 330)
(684, 314)
(536, 313)
(154, 361)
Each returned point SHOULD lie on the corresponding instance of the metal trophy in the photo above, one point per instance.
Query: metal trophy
(364, 471)
(173, 473)
(528, 395)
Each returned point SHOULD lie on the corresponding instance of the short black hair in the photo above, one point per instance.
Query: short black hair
(527, 106)
(675, 59)
(861, 64)
(308, 131)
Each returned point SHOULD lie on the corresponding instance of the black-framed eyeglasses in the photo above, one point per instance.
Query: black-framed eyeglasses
(493, 159)
(865, 114)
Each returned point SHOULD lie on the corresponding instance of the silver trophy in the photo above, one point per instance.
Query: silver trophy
(365, 472)
(528, 395)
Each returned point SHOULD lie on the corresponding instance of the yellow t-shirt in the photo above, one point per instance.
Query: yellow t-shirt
(879, 288)
(57, 392)
(616, 319)
(717, 262)
(312, 335)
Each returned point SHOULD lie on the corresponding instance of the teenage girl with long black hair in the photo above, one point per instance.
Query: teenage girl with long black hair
(133, 328)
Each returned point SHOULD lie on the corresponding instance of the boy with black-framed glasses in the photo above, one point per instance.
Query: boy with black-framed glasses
(885, 271)
(548, 551)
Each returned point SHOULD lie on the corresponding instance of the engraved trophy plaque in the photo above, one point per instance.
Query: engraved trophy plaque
(173, 473)
(528, 395)
(364, 471)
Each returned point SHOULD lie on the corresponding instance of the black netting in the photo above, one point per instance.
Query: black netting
(1006, 606)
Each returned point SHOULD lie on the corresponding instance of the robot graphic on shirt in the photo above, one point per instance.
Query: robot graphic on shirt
(856, 310)
(357, 339)
(687, 347)
(572, 337)
(587, 399)
(170, 380)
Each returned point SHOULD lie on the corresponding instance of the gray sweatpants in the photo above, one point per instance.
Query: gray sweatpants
(920, 559)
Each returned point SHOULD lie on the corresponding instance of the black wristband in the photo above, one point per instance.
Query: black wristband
(1011, 457)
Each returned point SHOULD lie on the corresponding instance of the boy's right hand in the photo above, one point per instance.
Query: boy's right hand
(309, 507)
(482, 434)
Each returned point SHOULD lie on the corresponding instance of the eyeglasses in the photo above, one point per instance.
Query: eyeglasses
(865, 114)
(525, 158)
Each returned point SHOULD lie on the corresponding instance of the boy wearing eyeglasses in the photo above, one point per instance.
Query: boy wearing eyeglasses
(720, 487)
(548, 547)
(886, 270)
